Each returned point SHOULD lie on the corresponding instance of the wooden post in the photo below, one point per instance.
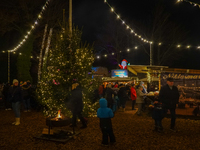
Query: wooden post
(8, 66)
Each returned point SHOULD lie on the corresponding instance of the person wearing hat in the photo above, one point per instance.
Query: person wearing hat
(169, 96)
(15, 97)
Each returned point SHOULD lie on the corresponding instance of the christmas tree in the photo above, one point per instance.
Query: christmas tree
(68, 61)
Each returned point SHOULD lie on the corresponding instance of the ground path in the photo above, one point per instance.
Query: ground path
(131, 131)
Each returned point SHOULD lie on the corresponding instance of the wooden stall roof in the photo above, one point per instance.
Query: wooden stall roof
(135, 69)
(115, 79)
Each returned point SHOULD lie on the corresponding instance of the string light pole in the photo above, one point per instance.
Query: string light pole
(8, 66)
(151, 53)
(70, 17)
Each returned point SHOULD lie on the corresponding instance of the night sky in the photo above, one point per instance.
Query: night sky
(93, 14)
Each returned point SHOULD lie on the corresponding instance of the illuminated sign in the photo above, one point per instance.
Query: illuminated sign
(119, 73)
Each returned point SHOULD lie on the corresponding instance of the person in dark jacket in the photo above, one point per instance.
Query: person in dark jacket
(105, 114)
(169, 96)
(76, 105)
(109, 95)
(8, 104)
(123, 96)
(26, 97)
(15, 96)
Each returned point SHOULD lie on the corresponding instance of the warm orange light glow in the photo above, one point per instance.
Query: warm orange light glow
(58, 115)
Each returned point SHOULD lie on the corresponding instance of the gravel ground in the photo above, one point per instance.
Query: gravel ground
(131, 131)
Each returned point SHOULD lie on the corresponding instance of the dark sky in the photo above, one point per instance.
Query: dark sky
(92, 14)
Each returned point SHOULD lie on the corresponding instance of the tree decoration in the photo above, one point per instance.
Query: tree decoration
(68, 61)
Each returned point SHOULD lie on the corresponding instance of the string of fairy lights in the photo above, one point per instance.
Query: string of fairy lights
(128, 27)
(192, 3)
(32, 28)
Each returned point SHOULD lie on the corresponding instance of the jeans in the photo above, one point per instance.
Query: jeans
(16, 109)
(158, 124)
(173, 117)
(139, 108)
(107, 133)
(27, 104)
(133, 104)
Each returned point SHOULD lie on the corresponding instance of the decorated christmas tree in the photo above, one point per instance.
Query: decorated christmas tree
(68, 61)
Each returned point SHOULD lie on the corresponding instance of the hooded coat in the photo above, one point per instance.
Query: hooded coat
(105, 114)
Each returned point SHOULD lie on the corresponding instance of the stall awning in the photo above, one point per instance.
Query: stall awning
(135, 69)
(117, 79)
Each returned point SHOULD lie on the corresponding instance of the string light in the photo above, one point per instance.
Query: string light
(192, 3)
(32, 28)
(123, 22)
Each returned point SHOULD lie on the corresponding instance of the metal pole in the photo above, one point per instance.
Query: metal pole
(150, 54)
(70, 17)
(8, 66)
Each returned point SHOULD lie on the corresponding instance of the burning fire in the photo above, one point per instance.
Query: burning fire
(58, 115)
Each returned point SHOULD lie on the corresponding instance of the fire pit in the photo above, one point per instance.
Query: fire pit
(57, 135)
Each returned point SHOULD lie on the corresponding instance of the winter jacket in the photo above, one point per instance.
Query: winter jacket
(109, 95)
(140, 96)
(169, 97)
(105, 114)
(25, 91)
(76, 103)
(133, 94)
(15, 94)
(158, 111)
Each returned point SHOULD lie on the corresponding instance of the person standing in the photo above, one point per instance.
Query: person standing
(105, 114)
(76, 105)
(26, 97)
(169, 96)
(109, 95)
(8, 104)
(15, 97)
(140, 99)
(123, 96)
(133, 96)
(100, 91)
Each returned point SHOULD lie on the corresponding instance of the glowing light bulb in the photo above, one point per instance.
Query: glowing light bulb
(127, 27)
(112, 9)
(39, 16)
(128, 50)
(118, 16)
(105, 1)
(3, 51)
(105, 55)
(151, 42)
(29, 32)
(131, 31)
(98, 57)
(160, 44)
(178, 46)
(198, 47)
(20, 53)
(123, 22)
(36, 22)
(136, 47)
(32, 27)
(113, 53)
(14, 53)
(188, 46)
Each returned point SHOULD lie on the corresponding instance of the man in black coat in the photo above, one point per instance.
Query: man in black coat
(169, 96)
(76, 105)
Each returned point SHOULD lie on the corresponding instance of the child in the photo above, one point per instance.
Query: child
(105, 114)
(158, 115)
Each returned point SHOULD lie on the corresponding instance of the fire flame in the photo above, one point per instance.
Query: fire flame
(58, 115)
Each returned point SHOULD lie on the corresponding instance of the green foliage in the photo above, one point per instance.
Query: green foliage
(69, 60)
(24, 60)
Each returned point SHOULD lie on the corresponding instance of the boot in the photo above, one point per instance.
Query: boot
(17, 121)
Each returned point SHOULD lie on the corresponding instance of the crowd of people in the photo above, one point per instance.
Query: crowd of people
(112, 97)
(12, 96)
